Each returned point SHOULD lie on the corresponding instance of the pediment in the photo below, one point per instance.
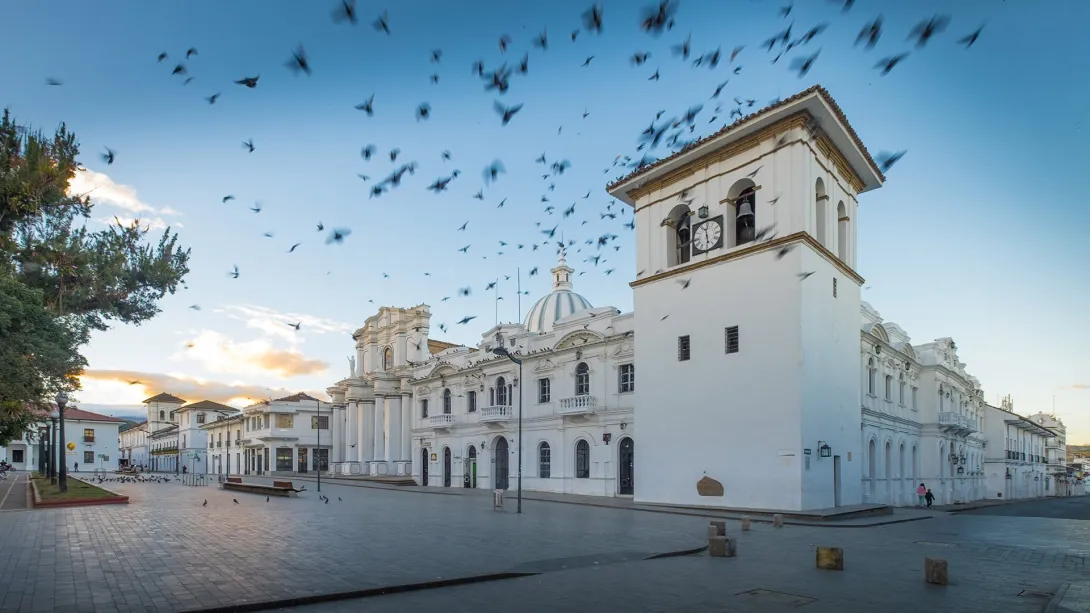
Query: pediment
(423, 391)
(578, 339)
(545, 366)
(625, 349)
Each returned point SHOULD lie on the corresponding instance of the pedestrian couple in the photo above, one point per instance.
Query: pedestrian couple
(925, 495)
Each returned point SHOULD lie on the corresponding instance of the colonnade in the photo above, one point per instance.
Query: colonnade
(376, 432)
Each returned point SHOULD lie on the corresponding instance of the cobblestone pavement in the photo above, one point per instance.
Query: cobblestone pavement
(1073, 507)
(165, 552)
(997, 563)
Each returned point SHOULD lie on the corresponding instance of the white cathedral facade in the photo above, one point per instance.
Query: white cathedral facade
(765, 382)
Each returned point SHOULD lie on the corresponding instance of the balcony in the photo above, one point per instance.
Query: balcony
(498, 413)
(959, 424)
(442, 421)
(578, 405)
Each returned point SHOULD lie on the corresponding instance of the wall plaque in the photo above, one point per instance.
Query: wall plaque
(709, 487)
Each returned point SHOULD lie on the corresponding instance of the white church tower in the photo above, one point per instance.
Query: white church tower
(747, 312)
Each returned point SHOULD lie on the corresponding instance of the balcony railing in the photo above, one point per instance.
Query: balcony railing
(88, 439)
(578, 405)
(948, 420)
(442, 420)
(496, 413)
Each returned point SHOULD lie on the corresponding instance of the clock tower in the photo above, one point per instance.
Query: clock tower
(747, 306)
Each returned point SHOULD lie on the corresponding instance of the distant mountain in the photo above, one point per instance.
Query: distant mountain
(131, 412)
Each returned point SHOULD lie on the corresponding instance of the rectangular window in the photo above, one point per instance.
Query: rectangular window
(88, 457)
(471, 399)
(834, 287)
(319, 422)
(423, 407)
(17, 456)
(321, 458)
(200, 418)
(283, 421)
(283, 459)
(628, 378)
(543, 389)
(683, 348)
(731, 335)
(88, 435)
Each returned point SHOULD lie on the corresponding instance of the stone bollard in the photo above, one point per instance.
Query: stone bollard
(713, 532)
(830, 558)
(777, 521)
(722, 547)
(720, 527)
(745, 524)
(935, 571)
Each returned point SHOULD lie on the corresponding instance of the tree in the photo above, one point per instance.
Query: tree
(39, 357)
(85, 279)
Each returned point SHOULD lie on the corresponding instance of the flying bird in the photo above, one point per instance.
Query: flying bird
(250, 82)
(249, 144)
(367, 107)
(108, 157)
(887, 160)
(887, 64)
(506, 112)
(298, 62)
(969, 40)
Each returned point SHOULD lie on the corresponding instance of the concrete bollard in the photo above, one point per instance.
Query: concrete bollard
(713, 532)
(722, 547)
(745, 524)
(830, 558)
(720, 527)
(777, 521)
(935, 571)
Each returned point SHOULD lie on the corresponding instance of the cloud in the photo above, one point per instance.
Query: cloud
(276, 323)
(103, 190)
(1078, 386)
(115, 387)
(221, 354)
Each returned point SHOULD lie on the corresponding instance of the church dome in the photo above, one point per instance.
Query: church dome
(560, 303)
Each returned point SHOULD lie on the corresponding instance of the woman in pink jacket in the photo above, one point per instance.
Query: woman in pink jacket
(921, 492)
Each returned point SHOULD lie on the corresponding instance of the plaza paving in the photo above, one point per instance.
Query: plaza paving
(997, 563)
(165, 552)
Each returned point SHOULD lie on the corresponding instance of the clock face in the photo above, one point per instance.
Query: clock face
(708, 234)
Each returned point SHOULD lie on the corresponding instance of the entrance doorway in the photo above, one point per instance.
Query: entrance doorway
(424, 466)
(625, 468)
(446, 466)
(302, 460)
(469, 478)
(500, 462)
(836, 481)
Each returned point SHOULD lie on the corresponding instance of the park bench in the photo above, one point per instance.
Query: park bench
(278, 488)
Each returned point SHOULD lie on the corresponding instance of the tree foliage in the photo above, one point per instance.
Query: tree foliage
(84, 277)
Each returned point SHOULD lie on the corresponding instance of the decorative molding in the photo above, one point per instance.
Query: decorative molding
(625, 349)
(545, 365)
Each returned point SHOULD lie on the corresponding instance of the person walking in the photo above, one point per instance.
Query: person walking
(922, 493)
(77, 467)
(930, 498)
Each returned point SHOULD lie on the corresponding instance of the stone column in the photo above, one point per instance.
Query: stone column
(407, 429)
(350, 430)
(393, 428)
(334, 437)
(366, 421)
(380, 429)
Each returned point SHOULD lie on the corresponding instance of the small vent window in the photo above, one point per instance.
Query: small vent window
(731, 339)
(683, 348)
(834, 288)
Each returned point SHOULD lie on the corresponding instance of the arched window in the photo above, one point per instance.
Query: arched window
(901, 391)
(870, 376)
(446, 402)
(678, 235)
(501, 392)
(889, 388)
(842, 232)
(822, 204)
(387, 359)
(582, 379)
(745, 216)
(544, 461)
(582, 460)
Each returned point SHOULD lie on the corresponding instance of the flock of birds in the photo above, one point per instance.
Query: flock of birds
(671, 133)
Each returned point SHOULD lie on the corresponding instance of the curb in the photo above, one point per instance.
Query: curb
(1054, 605)
(710, 513)
(399, 589)
(35, 499)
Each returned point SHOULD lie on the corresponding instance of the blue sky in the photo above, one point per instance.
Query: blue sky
(976, 235)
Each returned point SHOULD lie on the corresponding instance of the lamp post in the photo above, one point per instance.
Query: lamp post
(53, 448)
(318, 449)
(500, 350)
(62, 478)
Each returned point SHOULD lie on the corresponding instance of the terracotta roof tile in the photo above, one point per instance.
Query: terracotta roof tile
(209, 405)
(74, 413)
(165, 397)
(806, 92)
(301, 396)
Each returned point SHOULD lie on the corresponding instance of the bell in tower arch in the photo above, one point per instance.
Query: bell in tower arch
(745, 220)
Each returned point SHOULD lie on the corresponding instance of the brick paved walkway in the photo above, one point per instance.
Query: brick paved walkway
(996, 564)
(165, 552)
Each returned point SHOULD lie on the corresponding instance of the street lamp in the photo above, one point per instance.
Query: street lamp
(53, 415)
(500, 350)
(62, 479)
